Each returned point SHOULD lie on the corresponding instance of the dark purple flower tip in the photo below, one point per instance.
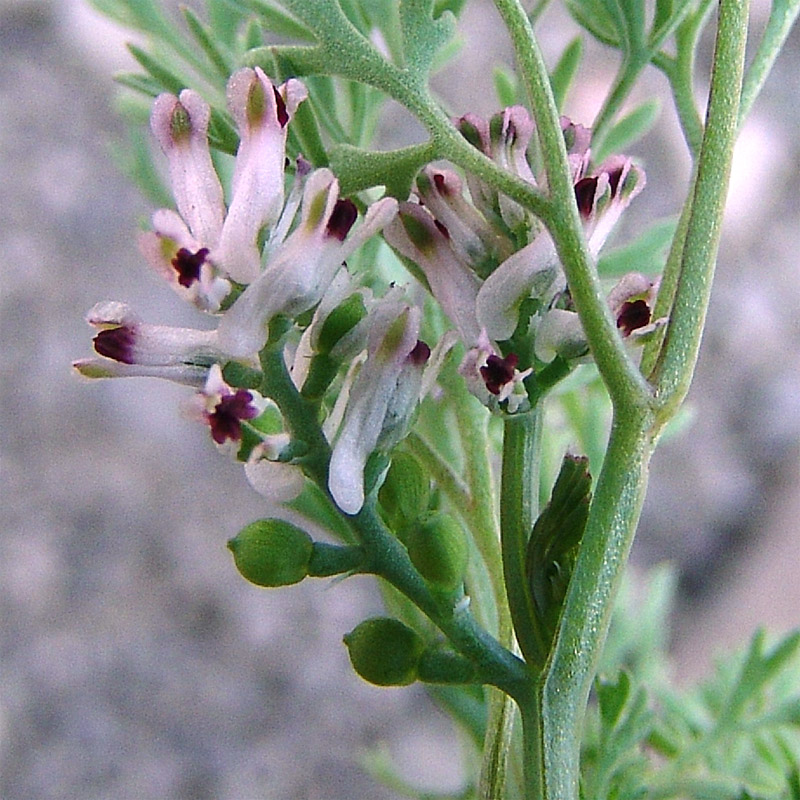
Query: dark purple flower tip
(440, 182)
(499, 371)
(585, 190)
(225, 419)
(116, 344)
(342, 219)
(420, 354)
(187, 264)
(614, 178)
(283, 114)
(632, 316)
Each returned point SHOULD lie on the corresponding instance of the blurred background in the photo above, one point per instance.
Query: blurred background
(134, 662)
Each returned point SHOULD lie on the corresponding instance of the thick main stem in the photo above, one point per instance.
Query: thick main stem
(597, 574)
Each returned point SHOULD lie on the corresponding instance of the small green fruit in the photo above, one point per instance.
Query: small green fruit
(272, 552)
(385, 652)
(406, 491)
(438, 549)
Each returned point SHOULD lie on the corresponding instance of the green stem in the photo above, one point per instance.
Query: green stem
(778, 28)
(533, 749)
(628, 74)
(519, 495)
(621, 375)
(587, 610)
(384, 554)
(678, 357)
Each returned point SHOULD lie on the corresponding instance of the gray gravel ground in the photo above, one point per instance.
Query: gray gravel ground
(134, 663)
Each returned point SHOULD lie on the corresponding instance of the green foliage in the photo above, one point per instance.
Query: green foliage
(565, 70)
(735, 735)
(629, 129)
(646, 253)
(554, 541)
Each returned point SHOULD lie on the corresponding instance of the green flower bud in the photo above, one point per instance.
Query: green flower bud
(438, 549)
(385, 652)
(341, 321)
(272, 552)
(406, 491)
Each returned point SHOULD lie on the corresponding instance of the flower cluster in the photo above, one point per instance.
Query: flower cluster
(484, 257)
(260, 255)
(267, 254)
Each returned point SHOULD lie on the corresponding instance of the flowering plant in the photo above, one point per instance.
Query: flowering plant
(372, 404)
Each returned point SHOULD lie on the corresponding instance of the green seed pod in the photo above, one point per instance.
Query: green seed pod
(385, 652)
(272, 552)
(406, 491)
(438, 549)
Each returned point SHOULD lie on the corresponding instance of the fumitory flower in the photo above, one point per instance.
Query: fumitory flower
(200, 249)
(381, 401)
(222, 408)
(302, 268)
(631, 303)
(482, 257)
(131, 347)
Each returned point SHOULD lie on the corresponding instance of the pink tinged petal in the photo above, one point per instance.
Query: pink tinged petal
(577, 140)
(181, 127)
(471, 236)
(373, 402)
(604, 197)
(187, 374)
(276, 481)
(303, 268)
(415, 235)
(261, 117)
(509, 151)
(533, 271)
(202, 287)
(124, 338)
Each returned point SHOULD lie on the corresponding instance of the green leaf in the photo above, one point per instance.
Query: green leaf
(159, 69)
(555, 538)
(593, 15)
(423, 35)
(141, 15)
(225, 18)
(647, 253)
(629, 129)
(612, 697)
(277, 21)
(220, 60)
(505, 86)
(359, 169)
(565, 70)
(662, 14)
(143, 84)
(779, 25)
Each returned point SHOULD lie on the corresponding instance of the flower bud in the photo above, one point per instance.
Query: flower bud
(405, 493)
(340, 322)
(385, 652)
(272, 552)
(438, 548)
